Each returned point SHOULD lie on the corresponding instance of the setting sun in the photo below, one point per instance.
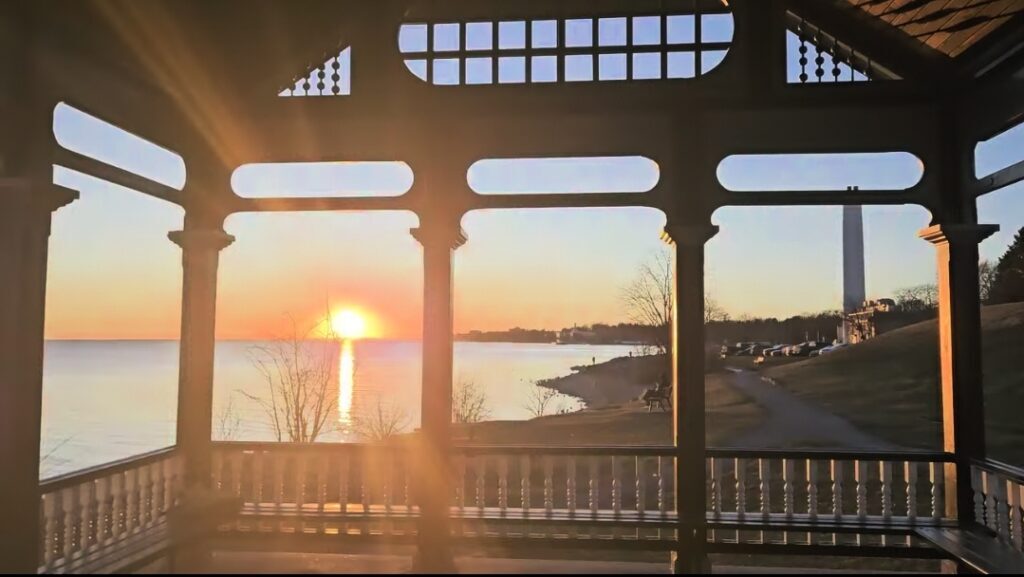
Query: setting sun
(348, 324)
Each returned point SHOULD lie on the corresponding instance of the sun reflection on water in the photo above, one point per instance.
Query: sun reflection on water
(346, 383)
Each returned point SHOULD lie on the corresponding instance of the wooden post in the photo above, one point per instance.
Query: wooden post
(200, 253)
(688, 393)
(439, 240)
(25, 210)
(963, 403)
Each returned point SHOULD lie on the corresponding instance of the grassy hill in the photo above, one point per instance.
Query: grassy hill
(889, 386)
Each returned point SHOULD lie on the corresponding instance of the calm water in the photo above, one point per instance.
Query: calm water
(107, 400)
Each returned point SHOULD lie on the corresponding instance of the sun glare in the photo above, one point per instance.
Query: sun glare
(348, 324)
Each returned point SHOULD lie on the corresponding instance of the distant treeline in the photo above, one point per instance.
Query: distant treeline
(516, 335)
(591, 334)
(820, 326)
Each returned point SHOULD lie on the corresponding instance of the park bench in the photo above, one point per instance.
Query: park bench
(661, 398)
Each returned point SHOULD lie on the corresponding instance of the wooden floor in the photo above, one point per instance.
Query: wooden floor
(297, 563)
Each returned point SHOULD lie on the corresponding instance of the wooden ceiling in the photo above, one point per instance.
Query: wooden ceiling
(949, 26)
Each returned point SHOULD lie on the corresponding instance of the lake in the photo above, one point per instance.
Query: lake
(107, 400)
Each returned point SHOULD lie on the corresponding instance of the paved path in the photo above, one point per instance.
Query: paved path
(793, 422)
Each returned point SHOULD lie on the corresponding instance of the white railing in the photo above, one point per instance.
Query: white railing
(320, 488)
(999, 500)
(96, 513)
(581, 492)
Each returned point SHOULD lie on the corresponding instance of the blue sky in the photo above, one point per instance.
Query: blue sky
(112, 266)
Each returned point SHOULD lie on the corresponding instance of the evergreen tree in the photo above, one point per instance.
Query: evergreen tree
(1008, 281)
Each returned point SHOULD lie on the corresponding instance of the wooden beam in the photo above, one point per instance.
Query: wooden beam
(1001, 178)
(118, 176)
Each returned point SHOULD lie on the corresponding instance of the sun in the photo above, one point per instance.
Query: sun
(348, 324)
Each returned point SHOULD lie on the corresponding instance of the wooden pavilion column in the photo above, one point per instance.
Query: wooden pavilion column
(25, 211)
(963, 402)
(200, 254)
(688, 406)
(439, 240)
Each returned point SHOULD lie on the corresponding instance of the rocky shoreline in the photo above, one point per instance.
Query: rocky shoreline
(614, 382)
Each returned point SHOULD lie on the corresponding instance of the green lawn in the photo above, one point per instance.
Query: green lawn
(889, 386)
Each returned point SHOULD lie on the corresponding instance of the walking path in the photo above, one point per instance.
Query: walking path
(792, 422)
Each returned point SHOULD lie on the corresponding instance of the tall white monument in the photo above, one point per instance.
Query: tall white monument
(854, 291)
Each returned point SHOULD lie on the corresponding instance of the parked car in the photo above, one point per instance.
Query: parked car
(776, 351)
(832, 348)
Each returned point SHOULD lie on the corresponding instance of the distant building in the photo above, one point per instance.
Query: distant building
(577, 335)
(872, 319)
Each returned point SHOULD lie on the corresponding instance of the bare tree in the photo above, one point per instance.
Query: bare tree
(469, 403)
(228, 421)
(381, 423)
(300, 374)
(918, 298)
(713, 312)
(539, 400)
(986, 277)
(648, 298)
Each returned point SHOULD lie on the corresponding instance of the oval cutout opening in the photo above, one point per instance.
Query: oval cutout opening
(571, 175)
(322, 179)
(85, 134)
(1001, 151)
(820, 171)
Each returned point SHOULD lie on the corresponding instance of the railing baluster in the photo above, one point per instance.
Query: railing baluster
(481, 486)
(788, 488)
(616, 487)
(257, 478)
(365, 490)
(662, 498)
(641, 486)
(1016, 500)
(102, 510)
(979, 494)
(117, 506)
(594, 490)
(938, 477)
(1002, 510)
(570, 492)
(885, 475)
(460, 484)
(132, 515)
(741, 487)
(69, 501)
(524, 484)
(764, 477)
(321, 484)
(50, 512)
(236, 473)
(503, 485)
(910, 476)
(280, 461)
(812, 489)
(549, 485)
(142, 488)
(86, 514)
(860, 477)
(216, 469)
(570, 486)
(343, 483)
(836, 467)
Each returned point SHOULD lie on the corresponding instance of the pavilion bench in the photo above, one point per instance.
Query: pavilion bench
(976, 549)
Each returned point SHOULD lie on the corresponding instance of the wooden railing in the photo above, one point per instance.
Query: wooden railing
(583, 492)
(999, 500)
(102, 513)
